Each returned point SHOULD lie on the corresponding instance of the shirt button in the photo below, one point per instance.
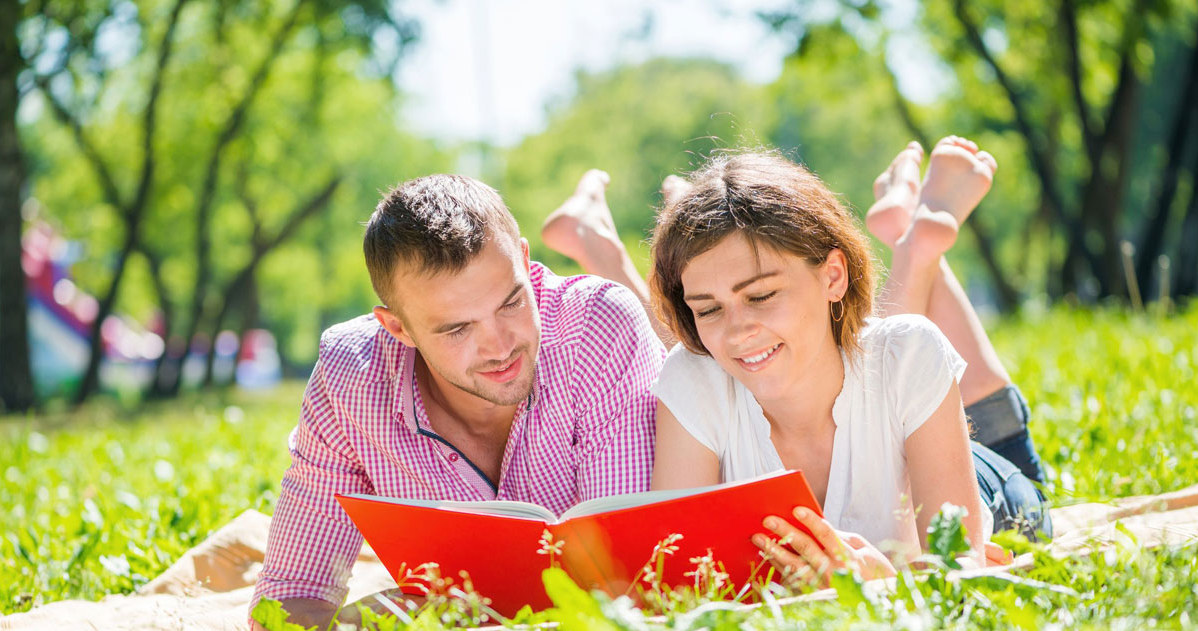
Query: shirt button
(453, 457)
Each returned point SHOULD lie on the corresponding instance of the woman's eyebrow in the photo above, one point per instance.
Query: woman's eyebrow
(735, 288)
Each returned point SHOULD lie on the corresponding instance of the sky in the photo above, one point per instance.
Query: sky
(485, 69)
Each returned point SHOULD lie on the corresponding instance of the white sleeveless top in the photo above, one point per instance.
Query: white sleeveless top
(902, 375)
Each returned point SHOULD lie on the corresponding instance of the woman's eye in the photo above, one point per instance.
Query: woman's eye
(762, 297)
(706, 312)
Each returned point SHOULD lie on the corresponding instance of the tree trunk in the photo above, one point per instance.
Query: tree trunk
(243, 282)
(1185, 275)
(16, 377)
(134, 212)
(1102, 197)
(232, 127)
(161, 379)
(1152, 243)
(1041, 162)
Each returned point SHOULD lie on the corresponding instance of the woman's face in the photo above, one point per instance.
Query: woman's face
(764, 315)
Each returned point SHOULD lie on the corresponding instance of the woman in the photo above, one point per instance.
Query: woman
(767, 282)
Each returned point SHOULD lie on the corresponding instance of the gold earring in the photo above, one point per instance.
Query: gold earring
(835, 316)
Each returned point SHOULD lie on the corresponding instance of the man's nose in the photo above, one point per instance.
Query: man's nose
(496, 341)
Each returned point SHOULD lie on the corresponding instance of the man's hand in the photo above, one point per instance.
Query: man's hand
(811, 560)
(308, 612)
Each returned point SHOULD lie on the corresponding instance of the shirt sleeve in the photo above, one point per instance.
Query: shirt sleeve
(312, 543)
(920, 366)
(699, 402)
(618, 359)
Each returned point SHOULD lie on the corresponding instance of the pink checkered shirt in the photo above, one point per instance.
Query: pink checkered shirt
(586, 431)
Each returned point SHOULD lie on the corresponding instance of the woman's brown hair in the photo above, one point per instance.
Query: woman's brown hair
(773, 202)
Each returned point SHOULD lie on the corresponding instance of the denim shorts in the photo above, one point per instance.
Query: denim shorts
(1014, 501)
(1006, 463)
(999, 422)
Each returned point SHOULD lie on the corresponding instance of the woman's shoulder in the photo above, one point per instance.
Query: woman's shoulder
(896, 335)
(699, 394)
(683, 364)
(893, 327)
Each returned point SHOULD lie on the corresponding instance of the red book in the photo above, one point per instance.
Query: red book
(607, 540)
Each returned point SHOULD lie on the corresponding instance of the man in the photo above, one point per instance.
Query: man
(483, 376)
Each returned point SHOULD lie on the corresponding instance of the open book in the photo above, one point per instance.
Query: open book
(606, 540)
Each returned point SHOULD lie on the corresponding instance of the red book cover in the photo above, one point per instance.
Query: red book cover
(606, 541)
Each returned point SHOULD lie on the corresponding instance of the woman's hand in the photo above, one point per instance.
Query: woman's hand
(811, 560)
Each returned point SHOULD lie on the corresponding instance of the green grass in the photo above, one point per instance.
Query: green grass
(101, 500)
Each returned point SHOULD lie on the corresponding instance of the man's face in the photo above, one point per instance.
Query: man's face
(477, 329)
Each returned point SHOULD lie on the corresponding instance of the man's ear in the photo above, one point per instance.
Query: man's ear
(394, 325)
(835, 274)
(524, 251)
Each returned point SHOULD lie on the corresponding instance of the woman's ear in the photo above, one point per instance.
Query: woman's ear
(834, 274)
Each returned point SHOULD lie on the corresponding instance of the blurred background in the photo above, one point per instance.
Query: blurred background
(184, 182)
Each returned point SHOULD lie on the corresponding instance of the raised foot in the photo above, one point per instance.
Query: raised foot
(673, 188)
(958, 177)
(897, 193)
(582, 227)
(930, 235)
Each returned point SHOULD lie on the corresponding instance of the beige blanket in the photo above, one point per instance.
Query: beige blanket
(209, 588)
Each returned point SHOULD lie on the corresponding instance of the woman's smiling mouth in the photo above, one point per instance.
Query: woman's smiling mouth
(757, 361)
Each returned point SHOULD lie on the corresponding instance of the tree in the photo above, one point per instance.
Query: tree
(1067, 80)
(16, 379)
(201, 95)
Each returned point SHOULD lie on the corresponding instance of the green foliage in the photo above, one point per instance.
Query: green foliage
(326, 107)
(103, 500)
(573, 607)
(946, 535)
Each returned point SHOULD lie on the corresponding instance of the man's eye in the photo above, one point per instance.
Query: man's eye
(762, 297)
(514, 304)
(458, 332)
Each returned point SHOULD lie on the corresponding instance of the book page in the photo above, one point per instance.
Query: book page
(617, 502)
(505, 508)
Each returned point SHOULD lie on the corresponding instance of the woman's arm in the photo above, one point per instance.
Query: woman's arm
(680, 461)
(941, 468)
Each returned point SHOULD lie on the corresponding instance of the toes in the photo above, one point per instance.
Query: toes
(673, 188)
(594, 177)
(985, 158)
(945, 142)
(957, 141)
(917, 148)
(593, 183)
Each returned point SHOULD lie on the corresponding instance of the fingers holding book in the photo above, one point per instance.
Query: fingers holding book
(810, 552)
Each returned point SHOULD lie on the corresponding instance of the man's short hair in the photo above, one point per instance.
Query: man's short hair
(437, 223)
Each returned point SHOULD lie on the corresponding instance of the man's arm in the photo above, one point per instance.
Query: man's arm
(312, 543)
(619, 358)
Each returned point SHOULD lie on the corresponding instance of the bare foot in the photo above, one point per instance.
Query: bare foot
(673, 188)
(930, 235)
(582, 227)
(897, 192)
(958, 177)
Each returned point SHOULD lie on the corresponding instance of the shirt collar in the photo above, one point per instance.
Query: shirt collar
(406, 384)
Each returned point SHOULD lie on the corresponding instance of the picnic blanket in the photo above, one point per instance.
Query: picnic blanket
(209, 587)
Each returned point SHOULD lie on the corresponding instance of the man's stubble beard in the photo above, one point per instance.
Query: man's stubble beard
(496, 398)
